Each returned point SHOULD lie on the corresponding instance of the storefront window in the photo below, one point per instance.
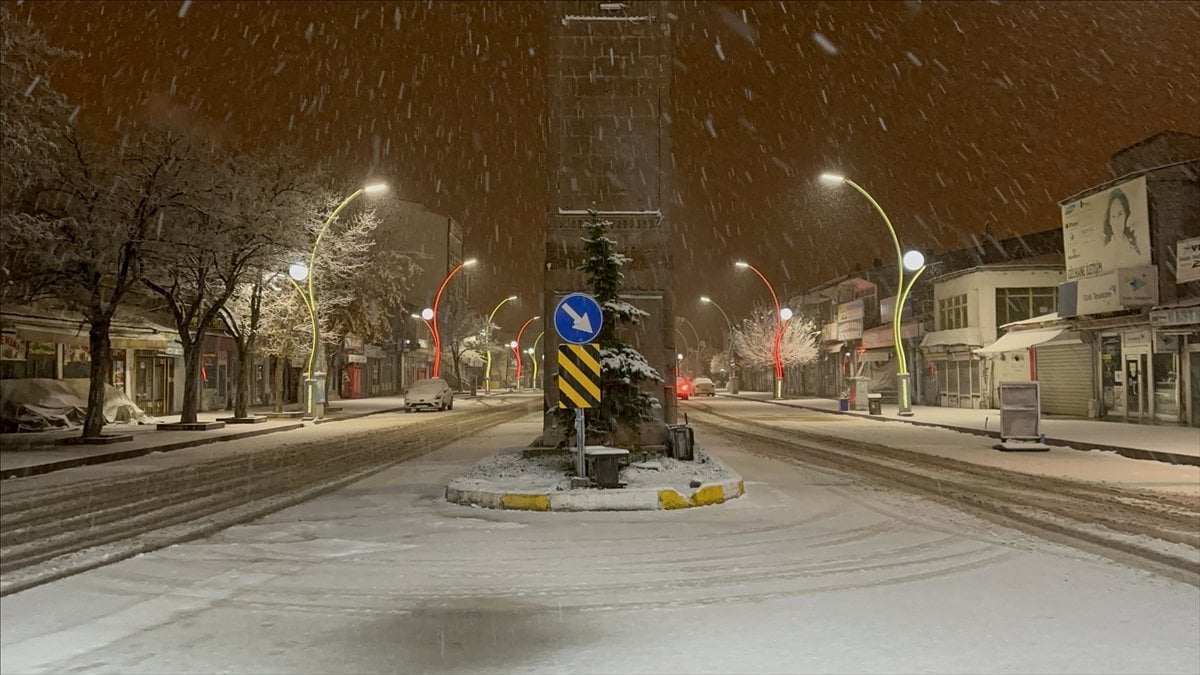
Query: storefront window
(1018, 304)
(77, 362)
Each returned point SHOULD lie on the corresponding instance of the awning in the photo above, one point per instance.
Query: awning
(1020, 339)
(834, 347)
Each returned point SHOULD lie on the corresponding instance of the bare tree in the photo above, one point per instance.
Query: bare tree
(461, 329)
(277, 191)
(87, 232)
(754, 340)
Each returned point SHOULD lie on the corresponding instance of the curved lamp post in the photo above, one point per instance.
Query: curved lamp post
(516, 345)
(298, 272)
(516, 353)
(687, 348)
(912, 261)
(487, 373)
(728, 342)
(778, 393)
(534, 359)
(437, 300)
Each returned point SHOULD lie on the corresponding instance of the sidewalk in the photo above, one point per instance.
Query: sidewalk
(1173, 444)
(30, 454)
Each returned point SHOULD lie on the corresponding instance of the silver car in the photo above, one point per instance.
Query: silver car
(432, 393)
(703, 386)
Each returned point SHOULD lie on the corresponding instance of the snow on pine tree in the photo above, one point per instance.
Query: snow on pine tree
(623, 369)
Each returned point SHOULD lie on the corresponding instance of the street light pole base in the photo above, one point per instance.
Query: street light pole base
(778, 388)
(905, 413)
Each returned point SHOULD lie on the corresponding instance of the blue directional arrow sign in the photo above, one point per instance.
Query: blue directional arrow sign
(578, 318)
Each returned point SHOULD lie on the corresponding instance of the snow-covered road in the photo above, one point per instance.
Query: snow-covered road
(809, 572)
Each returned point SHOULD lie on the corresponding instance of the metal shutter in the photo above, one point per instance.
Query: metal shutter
(1065, 376)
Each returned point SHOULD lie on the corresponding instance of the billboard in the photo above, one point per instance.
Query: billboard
(1187, 267)
(1106, 231)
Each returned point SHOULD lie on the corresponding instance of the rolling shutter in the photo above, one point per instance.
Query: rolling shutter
(1064, 372)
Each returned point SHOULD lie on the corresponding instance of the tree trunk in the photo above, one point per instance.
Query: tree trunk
(241, 396)
(192, 352)
(277, 384)
(98, 340)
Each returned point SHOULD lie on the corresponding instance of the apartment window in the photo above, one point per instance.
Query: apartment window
(1018, 304)
(952, 312)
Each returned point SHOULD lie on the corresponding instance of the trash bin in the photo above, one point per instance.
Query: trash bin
(682, 440)
(844, 403)
(875, 404)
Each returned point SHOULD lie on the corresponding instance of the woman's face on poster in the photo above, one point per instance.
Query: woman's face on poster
(1116, 213)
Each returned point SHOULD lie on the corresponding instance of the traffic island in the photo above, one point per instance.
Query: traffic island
(543, 482)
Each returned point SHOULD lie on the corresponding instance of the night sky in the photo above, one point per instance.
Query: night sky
(960, 118)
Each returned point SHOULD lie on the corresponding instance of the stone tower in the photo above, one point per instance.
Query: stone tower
(609, 151)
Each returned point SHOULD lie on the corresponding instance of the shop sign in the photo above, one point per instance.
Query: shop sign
(373, 351)
(850, 311)
(829, 331)
(850, 330)
(1138, 287)
(1097, 295)
(1166, 344)
(1187, 260)
(355, 358)
(173, 348)
(1175, 316)
(11, 349)
(1138, 339)
(353, 343)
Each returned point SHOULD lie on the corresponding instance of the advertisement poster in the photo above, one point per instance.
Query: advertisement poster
(1107, 231)
(1110, 370)
(1187, 267)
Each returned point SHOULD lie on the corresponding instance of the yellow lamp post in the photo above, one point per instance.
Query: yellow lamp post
(487, 373)
(912, 261)
(315, 380)
(533, 357)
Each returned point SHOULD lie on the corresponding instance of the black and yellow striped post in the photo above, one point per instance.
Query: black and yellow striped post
(579, 388)
(579, 376)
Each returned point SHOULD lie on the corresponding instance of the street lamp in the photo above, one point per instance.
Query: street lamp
(516, 352)
(533, 357)
(778, 328)
(733, 383)
(914, 262)
(298, 272)
(437, 300)
(487, 373)
(516, 345)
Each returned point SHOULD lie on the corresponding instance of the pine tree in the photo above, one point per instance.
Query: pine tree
(623, 369)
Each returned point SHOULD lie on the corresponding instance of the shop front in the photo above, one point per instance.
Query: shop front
(1175, 362)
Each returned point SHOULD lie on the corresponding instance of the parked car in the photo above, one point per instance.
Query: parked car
(683, 388)
(432, 393)
(702, 386)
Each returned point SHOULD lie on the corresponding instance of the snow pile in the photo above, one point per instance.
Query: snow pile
(512, 472)
(36, 404)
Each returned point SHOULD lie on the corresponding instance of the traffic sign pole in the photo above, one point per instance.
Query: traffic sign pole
(580, 429)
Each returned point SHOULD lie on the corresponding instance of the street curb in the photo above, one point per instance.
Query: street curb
(50, 467)
(1132, 453)
(641, 499)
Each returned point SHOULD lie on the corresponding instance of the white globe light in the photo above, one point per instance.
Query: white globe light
(913, 261)
(427, 314)
(785, 314)
(679, 356)
(513, 344)
(298, 271)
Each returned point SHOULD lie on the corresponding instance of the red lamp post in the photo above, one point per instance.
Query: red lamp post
(516, 346)
(437, 300)
(779, 319)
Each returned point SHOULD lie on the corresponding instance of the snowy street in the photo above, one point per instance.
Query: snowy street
(810, 571)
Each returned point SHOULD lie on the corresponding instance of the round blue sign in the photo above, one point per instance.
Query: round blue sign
(578, 318)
